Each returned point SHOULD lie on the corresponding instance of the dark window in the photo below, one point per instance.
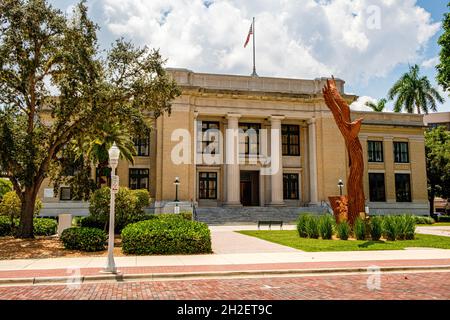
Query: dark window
(290, 136)
(403, 187)
(142, 145)
(290, 186)
(103, 176)
(207, 185)
(375, 149)
(208, 136)
(65, 193)
(249, 138)
(376, 187)
(138, 179)
(401, 154)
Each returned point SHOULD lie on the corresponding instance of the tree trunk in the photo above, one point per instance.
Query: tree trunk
(350, 130)
(27, 213)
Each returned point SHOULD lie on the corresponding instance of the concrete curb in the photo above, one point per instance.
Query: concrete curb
(200, 275)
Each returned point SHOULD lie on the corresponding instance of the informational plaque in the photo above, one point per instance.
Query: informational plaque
(48, 193)
(115, 184)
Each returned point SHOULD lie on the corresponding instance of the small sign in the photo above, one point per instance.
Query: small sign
(48, 193)
(115, 184)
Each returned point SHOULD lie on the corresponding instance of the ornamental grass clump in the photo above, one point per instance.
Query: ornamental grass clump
(301, 225)
(343, 230)
(312, 227)
(376, 228)
(390, 228)
(359, 229)
(406, 227)
(326, 224)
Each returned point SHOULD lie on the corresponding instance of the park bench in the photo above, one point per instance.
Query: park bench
(270, 223)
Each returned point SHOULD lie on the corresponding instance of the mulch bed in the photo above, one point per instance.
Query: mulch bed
(45, 247)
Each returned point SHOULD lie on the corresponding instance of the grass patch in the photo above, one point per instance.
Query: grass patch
(290, 238)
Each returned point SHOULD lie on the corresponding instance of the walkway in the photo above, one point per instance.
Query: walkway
(437, 231)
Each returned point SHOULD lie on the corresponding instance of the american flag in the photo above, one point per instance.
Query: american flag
(250, 32)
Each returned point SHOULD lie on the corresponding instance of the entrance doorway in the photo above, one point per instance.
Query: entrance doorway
(250, 188)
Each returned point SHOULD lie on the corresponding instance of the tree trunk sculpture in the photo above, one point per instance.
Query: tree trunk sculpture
(349, 130)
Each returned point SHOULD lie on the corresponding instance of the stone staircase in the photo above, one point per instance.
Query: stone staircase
(245, 215)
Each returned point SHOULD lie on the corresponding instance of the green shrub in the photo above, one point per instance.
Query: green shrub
(376, 228)
(390, 228)
(44, 226)
(129, 207)
(443, 219)
(92, 222)
(343, 230)
(359, 229)
(5, 226)
(312, 227)
(166, 236)
(84, 239)
(326, 227)
(186, 215)
(5, 187)
(301, 225)
(10, 206)
(423, 220)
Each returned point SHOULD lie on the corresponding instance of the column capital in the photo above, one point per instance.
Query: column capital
(195, 114)
(233, 115)
(276, 117)
(311, 121)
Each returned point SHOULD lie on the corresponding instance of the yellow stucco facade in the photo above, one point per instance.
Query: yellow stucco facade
(310, 169)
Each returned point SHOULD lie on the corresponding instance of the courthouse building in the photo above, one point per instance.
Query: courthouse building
(312, 157)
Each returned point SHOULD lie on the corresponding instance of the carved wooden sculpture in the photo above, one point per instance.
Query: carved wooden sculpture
(349, 130)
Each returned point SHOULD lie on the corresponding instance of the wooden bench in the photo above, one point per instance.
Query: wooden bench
(270, 223)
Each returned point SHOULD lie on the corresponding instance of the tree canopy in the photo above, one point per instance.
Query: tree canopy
(413, 92)
(57, 89)
(443, 68)
(437, 148)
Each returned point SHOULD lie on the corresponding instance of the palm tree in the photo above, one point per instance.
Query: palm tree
(377, 107)
(413, 92)
(97, 145)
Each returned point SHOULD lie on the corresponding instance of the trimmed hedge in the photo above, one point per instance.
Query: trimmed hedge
(443, 219)
(166, 236)
(5, 226)
(84, 239)
(423, 220)
(44, 226)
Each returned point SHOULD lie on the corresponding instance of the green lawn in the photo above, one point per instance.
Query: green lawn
(290, 238)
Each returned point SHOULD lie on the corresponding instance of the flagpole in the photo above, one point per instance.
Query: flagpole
(254, 74)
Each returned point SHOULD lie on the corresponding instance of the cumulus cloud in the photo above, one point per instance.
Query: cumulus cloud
(354, 40)
(431, 63)
(360, 103)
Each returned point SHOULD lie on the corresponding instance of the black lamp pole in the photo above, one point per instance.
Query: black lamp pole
(177, 183)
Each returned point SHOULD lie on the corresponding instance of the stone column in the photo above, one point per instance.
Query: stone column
(233, 183)
(277, 176)
(312, 151)
(389, 172)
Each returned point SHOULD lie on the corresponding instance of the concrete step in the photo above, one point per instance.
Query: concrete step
(220, 215)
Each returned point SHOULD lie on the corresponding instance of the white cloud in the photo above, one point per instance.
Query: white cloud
(430, 63)
(304, 39)
(360, 103)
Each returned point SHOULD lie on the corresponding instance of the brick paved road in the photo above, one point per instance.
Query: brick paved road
(433, 285)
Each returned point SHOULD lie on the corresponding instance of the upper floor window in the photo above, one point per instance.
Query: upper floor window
(142, 145)
(401, 153)
(290, 135)
(139, 179)
(375, 150)
(208, 137)
(249, 138)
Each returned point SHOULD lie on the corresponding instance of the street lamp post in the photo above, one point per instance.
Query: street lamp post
(114, 154)
(340, 185)
(176, 183)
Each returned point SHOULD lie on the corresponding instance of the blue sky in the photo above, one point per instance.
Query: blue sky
(368, 43)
